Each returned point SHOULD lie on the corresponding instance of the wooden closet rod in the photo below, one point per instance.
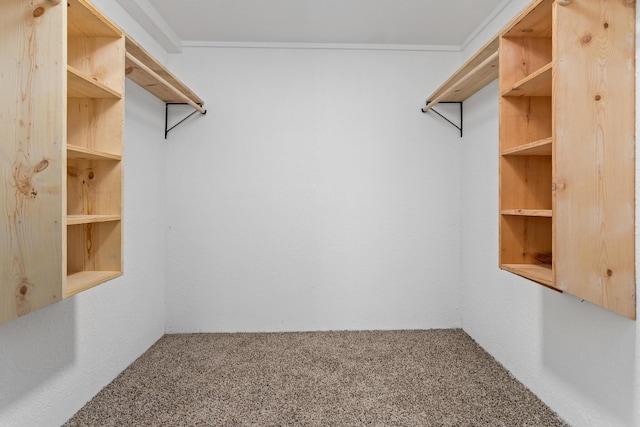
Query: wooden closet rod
(165, 83)
(471, 75)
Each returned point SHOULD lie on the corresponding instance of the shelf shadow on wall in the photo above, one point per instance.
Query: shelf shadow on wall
(34, 349)
(593, 351)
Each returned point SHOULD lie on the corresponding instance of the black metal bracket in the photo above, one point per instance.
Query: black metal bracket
(167, 129)
(454, 125)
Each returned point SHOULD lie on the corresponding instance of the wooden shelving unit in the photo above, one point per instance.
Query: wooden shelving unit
(63, 64)
(567, 137)
(62, 129)
(95, 119)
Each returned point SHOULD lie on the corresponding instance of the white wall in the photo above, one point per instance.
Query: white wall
(314, 195)
(54, 360)
(582, 360)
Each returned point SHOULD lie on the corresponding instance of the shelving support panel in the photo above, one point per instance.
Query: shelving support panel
(567, 149)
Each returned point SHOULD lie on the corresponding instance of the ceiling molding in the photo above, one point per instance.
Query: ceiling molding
(484, 24)
(342, 46)
(153, 23)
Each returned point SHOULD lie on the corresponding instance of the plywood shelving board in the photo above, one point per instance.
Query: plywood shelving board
(31, 162)
(567, 149)
(150, 82)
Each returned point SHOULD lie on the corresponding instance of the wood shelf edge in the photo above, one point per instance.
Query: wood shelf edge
(83, 280)
(80, 85)
(77, 152)
(488, 73)
(542, 147)
(539, 273)
(91, 219)
(543, 213)
(143, 79)
(85, 20)
(537, 83)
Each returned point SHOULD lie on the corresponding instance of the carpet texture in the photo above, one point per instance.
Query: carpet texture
(383, 378)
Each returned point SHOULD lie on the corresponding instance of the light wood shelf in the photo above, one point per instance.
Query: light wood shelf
(81, 281)
(541, 273)
(91, 219)
(84, 20)
(77, 152)
(480, 70)
(537, 83)
(152, 82)
(545, 213)
(542, 147)
(80, 85)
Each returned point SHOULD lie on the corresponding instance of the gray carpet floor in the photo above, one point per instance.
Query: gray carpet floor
(382, 378)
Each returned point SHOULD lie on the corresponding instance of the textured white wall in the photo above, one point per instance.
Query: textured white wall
(54, 360)
(582, 360)
(314, 195)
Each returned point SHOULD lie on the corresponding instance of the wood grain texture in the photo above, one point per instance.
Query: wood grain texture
(32, 42)
(594, 103)
(540, 273)
(534, 21)
(94, 246)
(99, 59)
(148, 82)
(84, 20)
(537, 83)
(524, 120)
(525, 182)
(542, 147)
(520, 57)
(480, 70)
(80, 85)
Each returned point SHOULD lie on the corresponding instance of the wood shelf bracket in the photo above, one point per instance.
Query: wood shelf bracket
(460, 126)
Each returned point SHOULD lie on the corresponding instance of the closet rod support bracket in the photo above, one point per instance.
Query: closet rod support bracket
(460, 127)
(167, 129)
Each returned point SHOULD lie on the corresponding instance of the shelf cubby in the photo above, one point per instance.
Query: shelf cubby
(537, 83)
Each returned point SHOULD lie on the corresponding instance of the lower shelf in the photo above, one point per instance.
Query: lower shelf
(78, 282)
(541, 273)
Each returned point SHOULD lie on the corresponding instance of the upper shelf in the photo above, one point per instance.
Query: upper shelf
(84, 20)
(146, 71)
(475, 74)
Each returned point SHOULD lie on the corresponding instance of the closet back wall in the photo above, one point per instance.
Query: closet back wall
(314, 195)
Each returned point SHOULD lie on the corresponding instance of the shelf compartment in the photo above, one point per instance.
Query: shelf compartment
(94, 187)
(91, 219)
(80, 85)
(83, 280)
(543, 147)
(524, 120)
(75, 152)
(547, 213)
(84, 20)
(94, 250)
(532, 22)
(537, 83)
(524, 239)
(525, 182)
(95, 124)
(540, 273)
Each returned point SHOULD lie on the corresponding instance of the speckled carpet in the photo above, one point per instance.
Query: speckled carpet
(383, 378)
